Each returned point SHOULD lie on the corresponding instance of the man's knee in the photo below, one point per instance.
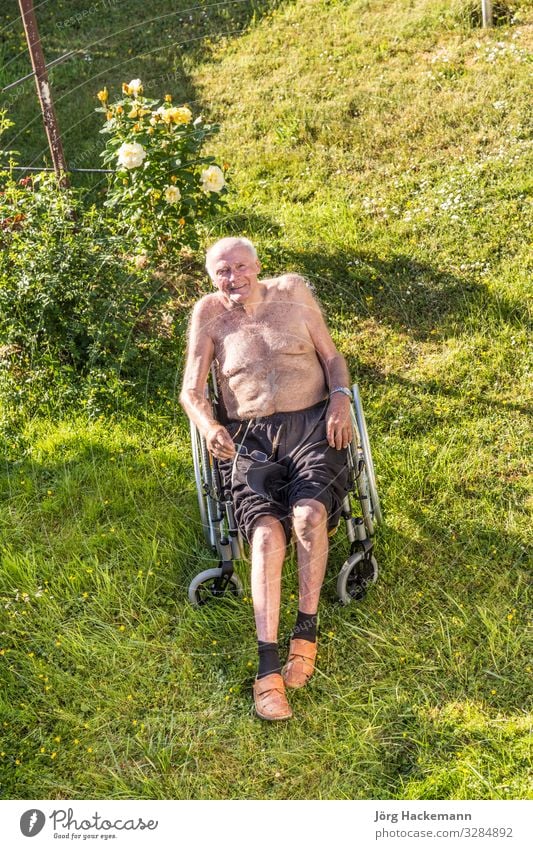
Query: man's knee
(309, 515)
(267, 532)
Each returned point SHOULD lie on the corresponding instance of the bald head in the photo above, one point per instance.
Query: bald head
(225, 245)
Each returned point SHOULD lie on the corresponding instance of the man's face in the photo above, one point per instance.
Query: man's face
(234, 272)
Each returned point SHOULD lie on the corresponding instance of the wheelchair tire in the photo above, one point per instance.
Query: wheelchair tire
(367, 455)
(203, 587)
(357, 574)
(202, 478)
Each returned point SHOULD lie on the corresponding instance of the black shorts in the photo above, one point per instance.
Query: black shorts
(300, 464)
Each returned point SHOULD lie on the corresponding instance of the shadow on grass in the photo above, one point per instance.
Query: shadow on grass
(404, 293)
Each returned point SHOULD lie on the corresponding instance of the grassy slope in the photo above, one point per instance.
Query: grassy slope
(381, 148)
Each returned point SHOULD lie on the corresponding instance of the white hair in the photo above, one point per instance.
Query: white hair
(230, 242)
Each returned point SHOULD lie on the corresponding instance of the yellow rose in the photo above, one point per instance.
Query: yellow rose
(182, 115)
(164, 114)
(212, 179)
(135, 87)
(131, 155)
(172, 194)
(103, 95)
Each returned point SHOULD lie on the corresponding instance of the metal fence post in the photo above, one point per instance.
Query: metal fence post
(43, 89)
(486, 13)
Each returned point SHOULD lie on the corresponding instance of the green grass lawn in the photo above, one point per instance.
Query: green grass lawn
(384, 150)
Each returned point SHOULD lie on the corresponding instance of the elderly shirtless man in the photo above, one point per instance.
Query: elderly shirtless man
(282, 449)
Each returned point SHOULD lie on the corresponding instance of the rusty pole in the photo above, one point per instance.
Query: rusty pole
(43, 89)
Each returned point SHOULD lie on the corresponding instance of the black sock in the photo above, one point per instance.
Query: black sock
(268, 659)
(305, 628)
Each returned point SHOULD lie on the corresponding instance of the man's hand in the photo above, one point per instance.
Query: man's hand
(219, 442)
(338, 421)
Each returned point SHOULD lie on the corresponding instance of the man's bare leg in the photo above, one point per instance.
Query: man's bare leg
(268, 554)
(310, 528)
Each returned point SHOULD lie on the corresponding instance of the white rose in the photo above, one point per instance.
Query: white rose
(135, 87)
(212, 179)
(131, 154)
(172, 194)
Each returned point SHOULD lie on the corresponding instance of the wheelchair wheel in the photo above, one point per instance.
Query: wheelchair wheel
(203, 480)
(357, 574)
(210, 584)
(369, 484)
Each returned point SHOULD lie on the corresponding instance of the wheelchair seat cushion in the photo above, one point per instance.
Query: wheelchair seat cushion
(300, 464)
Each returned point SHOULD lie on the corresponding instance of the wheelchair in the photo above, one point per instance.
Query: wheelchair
(361, 513)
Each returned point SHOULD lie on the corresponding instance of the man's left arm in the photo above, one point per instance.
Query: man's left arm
(338, 419)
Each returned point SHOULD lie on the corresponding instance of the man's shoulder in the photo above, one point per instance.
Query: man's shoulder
(287, 284)
(208, 306)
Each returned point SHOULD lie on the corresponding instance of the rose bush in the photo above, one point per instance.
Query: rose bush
(163, 189)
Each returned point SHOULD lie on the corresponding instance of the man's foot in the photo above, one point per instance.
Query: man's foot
(270, 699)
(300, 663)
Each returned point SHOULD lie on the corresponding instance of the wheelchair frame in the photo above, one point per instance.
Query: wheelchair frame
(359, 570)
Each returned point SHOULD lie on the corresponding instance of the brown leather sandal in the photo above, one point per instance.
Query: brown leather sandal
(270, 699)
(300, 663)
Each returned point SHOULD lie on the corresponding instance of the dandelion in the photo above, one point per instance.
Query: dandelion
(53, 755)
(90, 749)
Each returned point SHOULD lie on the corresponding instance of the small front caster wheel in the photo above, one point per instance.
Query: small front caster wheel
(211, 584)
(357, 574)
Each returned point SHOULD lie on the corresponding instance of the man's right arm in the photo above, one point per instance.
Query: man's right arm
(200, 354)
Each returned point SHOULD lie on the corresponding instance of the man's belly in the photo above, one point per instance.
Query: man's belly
(282, 383)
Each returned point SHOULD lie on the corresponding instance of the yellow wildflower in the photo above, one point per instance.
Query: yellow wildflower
(103, 95)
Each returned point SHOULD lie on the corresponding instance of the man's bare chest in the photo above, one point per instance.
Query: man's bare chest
(244, 342)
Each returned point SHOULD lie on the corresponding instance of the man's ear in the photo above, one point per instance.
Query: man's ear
(258, 265)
